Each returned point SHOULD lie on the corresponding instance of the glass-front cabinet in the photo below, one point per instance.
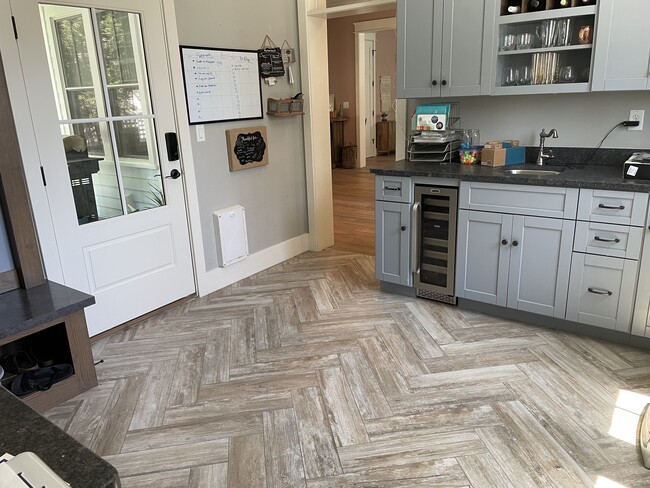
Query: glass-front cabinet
(544, 46)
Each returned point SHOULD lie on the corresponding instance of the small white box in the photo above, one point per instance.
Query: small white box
(230, 234)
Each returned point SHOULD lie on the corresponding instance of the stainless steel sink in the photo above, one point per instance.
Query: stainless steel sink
(531, 172)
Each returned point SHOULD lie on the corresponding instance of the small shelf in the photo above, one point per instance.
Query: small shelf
(541, 89)
(547, 14)
(575, 47)
(291, 114)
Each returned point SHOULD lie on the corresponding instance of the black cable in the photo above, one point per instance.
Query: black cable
(603, 140)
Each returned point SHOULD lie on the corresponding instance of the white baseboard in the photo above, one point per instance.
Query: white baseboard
(218, 278)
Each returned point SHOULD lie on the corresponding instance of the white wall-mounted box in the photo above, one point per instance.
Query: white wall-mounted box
(231, 236)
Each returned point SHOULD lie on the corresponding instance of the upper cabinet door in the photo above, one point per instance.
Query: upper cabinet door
(468, 27)
(419, 47)
(622, 57)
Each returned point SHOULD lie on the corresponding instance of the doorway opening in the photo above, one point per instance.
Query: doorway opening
(362, 69)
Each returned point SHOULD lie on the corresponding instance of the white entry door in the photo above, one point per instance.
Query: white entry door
(100, 96)
(371, 119)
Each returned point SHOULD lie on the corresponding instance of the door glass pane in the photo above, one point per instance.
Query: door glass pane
(91, 165)
(123, 57)
(136, 149)
(109, 171)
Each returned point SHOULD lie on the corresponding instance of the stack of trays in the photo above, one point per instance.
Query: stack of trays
(434, 147)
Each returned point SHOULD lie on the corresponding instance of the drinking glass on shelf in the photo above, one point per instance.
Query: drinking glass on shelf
(508, 42)
(510, 76)
(568, 74)
(563, 32)
(525, 75)
(524, 40)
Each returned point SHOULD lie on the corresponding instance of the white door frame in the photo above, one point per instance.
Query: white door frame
(369, 95)
(360, 31)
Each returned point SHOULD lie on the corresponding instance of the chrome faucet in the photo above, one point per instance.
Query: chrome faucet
(542, 156)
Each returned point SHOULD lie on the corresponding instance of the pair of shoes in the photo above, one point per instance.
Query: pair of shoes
(40, 379)
(18, 362)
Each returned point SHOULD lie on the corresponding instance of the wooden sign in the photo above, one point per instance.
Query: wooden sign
(270, 60)
(247, 148)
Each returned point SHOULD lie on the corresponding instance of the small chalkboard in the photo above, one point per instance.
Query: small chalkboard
(247, 148)
(270, 62)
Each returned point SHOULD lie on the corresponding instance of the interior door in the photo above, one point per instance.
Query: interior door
(371, 95)
(99, 90)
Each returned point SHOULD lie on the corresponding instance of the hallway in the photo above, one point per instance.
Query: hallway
(354, 206)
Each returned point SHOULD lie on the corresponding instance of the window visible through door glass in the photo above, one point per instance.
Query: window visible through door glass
(99, 77)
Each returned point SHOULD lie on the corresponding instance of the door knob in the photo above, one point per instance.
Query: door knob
(174, 174)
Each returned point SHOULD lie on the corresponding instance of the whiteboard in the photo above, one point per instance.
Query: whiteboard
(221, 84)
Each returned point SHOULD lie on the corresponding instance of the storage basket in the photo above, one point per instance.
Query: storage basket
(284, 106)
(349, 157)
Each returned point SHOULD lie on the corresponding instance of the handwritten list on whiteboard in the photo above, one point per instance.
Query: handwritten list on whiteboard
(221, 84)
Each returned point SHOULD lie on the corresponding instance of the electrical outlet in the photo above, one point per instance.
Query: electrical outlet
(636, 115)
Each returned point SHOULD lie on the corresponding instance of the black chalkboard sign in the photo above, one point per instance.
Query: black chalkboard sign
(270, 62)
(247, 148)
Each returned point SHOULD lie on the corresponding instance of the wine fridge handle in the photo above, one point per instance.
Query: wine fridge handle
(415, 238)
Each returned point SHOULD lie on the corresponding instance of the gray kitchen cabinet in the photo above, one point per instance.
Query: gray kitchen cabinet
(641, 315)
(440, 47)
(482, 256)
(601, 291)
(392, 252)
(622, 53)
(614, 207)
(517, 261)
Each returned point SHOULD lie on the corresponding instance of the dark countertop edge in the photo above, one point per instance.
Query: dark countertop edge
(452, 171)
(23, 430)
(21, 309)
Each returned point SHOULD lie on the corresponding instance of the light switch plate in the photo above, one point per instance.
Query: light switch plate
(200, 133)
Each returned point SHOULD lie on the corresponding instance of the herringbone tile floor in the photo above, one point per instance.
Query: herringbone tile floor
(306, 375)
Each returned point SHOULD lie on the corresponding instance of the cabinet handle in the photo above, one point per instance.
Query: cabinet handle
(434, 82)
(444, 82)
(515, 243)
(403, 228)
(415, 244)
(599, 291)
(390, 188)
(611, 207)
(616, 240)
(504, 242)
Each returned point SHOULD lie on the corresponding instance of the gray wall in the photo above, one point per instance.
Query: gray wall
(274, 196)
(581, 119)
(6, 261)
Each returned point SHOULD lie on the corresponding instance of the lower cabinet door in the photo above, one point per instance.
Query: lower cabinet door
(482, 256)
(392, 231)
(539, 265)
(601, 291)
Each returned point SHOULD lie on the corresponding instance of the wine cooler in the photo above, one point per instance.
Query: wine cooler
(434, 242)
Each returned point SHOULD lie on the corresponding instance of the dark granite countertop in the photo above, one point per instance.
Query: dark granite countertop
(22, 429)
(22, 310)
(595, 176)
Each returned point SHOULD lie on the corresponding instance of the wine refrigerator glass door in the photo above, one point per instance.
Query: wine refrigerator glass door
(436, 239)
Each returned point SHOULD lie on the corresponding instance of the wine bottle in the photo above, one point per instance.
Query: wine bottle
(536, 5)
(562, 3)
(514, 7)
(586, 2)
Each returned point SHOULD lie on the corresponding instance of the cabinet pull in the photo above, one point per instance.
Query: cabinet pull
(504, 242)
(415, 238)
(403, 228)
(434, 82)
(390, 188)
(611, 207)
(616, 240)
(444, 82)
(599, 291)
(515, 243)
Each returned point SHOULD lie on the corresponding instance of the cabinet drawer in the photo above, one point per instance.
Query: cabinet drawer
(619, 241)
(614, 207)
(393, 189)
(538, 201)
(601, 291)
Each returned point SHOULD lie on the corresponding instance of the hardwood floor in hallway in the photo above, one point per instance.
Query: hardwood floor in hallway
(354, 206)
(307, 375)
